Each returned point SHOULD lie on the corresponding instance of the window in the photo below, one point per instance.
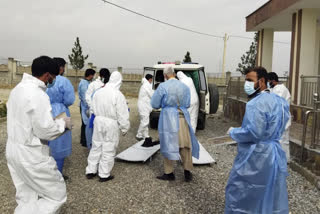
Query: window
(203, 84)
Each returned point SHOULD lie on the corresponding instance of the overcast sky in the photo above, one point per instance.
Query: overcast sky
(113, 37)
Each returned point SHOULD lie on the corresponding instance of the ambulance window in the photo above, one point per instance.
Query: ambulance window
(203, 85)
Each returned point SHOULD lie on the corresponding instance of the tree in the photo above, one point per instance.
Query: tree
(76, 58)
(187, 57)
(248, 60)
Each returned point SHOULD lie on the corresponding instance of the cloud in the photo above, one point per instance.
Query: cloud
(113, 37)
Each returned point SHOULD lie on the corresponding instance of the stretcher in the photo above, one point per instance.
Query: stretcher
(204, 157)
(138, 153)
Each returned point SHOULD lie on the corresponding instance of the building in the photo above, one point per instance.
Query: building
(301, 17)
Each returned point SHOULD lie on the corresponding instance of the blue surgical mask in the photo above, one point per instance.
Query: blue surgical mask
(49, 85)
(249, 88)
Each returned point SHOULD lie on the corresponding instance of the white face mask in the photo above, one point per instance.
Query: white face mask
(249, 88)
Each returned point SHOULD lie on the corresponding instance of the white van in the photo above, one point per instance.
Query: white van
(208, 93)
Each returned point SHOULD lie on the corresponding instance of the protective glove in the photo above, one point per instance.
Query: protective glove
(88, 113)
(68, 123)
(229, 130)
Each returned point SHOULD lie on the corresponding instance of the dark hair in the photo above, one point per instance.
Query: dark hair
(273, 76)
(260, 71)
(148, 76)
(105, 73)
(60, 61)
(89, 72)
(44, 64)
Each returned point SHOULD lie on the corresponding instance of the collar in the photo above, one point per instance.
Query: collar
(27, 78)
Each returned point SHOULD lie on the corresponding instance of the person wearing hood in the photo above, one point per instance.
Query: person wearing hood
(84, 108)
(177, 138)
(61, 96)
(194, 100)
(40, 187)
(257, 181)
(144, 107)
(104, 75)
(111, 117)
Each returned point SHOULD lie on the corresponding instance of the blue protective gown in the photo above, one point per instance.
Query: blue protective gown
(170, 96)
(257, 181)
(82, 89)
(61, 97)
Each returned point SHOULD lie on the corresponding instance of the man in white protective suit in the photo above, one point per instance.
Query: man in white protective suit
(282, 91)
(111, 116)
(40, 187)
(144, 107)
(104, 75)
(194, 100)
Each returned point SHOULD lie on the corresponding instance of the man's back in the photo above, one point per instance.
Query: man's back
(174, 93)
(282, 91)
(25, 102)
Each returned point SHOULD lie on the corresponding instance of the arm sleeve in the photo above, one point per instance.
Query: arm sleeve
(43, 124)
(156, 99)
(253, 128)
(123, 113)
(68, 93)
(149, 92)
(88, 95)
(82, 93)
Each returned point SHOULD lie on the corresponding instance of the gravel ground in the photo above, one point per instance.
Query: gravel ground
(135, 189)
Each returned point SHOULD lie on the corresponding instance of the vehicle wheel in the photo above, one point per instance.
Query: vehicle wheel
(154, 119)
(214, 98)
(201, 121)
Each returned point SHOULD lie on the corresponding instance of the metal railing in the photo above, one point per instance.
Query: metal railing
(235, 88)
(315, 128)
(309, 86)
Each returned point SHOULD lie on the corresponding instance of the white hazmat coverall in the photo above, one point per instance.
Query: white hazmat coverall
(283, 92)
(40, 187)
(91, 89)
(112, 116)
(194, 100)
(144, 108)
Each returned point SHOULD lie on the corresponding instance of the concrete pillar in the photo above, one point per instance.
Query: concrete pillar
(228, 76)
(265, 48)
(304, 49)
(10, 71)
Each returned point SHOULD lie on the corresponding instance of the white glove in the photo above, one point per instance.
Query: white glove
(229, 130)
(88, 113)
(68, 123)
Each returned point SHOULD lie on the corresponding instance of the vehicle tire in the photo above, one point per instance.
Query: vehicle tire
(214, 98)
(154, 120)
(201, 121)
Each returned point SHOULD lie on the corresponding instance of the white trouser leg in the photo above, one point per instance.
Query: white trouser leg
(284, 142)
(94, 157)
(107, 158)
(143, 130)
(40, 187)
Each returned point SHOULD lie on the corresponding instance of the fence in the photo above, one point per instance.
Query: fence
(309, 86)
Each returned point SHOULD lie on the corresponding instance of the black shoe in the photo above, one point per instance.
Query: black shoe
(187, 176)
(91, 175)
(167, 177)
(65, 177)
(106, 179)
